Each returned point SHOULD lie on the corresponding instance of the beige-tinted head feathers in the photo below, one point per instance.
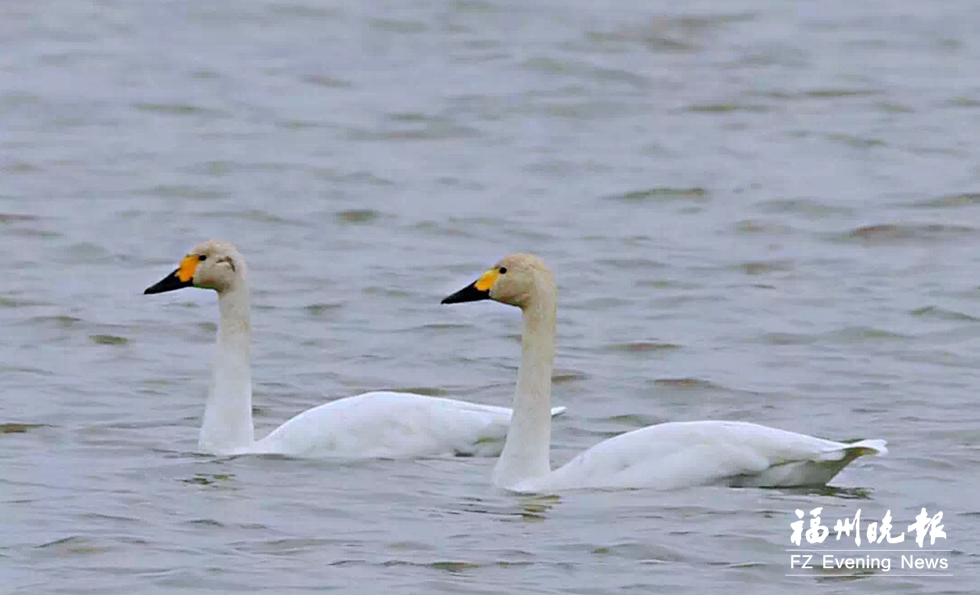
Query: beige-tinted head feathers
(515, 280)
(213, 264)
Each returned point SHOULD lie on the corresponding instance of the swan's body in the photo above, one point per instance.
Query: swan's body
(376, 424)
(390, 424)
(680, 454)
(665, 456)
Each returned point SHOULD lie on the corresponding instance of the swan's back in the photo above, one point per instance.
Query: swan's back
(391, 424)
(681, 454)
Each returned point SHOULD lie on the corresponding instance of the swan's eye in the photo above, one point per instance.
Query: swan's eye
(503, 270)
(202, 257)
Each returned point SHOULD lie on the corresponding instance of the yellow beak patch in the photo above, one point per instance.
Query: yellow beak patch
(486, 280)
(185, 272)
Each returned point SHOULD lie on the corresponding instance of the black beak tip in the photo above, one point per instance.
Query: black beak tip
(169, 283)
(468, 294)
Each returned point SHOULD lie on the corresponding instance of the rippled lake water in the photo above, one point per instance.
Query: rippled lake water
(755, 211)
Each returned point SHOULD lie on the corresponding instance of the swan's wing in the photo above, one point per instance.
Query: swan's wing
(675, 455)
(392, 425)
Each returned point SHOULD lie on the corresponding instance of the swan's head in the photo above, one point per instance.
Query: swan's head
(516, 280)
(213, 265)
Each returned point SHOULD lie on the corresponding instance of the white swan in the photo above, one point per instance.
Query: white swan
(664, 456)
(376, 424)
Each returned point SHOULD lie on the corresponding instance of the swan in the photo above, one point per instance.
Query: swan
(664, 456)
(379, 424)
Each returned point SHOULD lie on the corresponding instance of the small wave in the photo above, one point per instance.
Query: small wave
(357, 216)
(181, 191)
(357, 177)
(563, 376)
(294, 124)
(390, 25)
(445, 565)
(755, 226)
(74, 544)
(764, 267)
(584, 70)
(175, 109)
(289, 545)
(893, 107)
(660, 193)
(385, 291)
(421, 390)
(856, 142)
(848, 335)
(319, 309)
(966, 199)
(803, 206)
(970, 102)
(937, 313)
(886, 233)
(60, 321)
(430, 129)
(215, 480)
(635, 550)
(600, 303)
(303, 11)
(686, 383)
(635, 420)
(329, 82)
(108, 340)
(631, 263)
(12, 217)
(6, 302)
(726, 108)
(440, 229)
(18, 428)
(685, 33)
(437, 326)
(863, 334)
(829, 491)
(205, 523)
(644, 347)
(786, 339)
(254, 215)
(837, 93)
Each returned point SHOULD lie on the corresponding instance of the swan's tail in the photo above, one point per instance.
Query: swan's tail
(869, 447)
(556, 411)
(855, 449)
(815, 472)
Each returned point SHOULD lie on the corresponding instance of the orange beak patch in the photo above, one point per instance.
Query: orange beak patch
(487, 279)
(185, 272)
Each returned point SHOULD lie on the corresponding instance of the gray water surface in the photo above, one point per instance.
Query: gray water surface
(763, 211)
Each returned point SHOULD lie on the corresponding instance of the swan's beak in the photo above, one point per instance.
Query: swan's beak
(179, 279)
(475, 291)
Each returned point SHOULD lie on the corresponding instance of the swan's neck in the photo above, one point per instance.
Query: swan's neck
(227, 423)
(526, 451)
